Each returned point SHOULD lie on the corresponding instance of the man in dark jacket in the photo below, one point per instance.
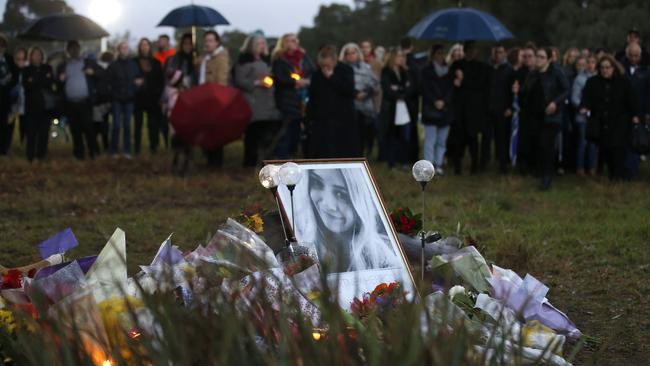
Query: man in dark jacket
(76, 80)
(8, 79)
(499, 110)
(636, 71)
(471, 107)
(333, 132)
(633, 37)
(125, 79)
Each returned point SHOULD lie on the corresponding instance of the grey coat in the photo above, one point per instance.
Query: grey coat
(366, 81)
(260, 99)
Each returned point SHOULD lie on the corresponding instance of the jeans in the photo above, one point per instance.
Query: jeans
(586, 151)
(399, 148)
(289, 139)
(435, 144)
(122, 113)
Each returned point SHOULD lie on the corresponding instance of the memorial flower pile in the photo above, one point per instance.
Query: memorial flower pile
(406, 222)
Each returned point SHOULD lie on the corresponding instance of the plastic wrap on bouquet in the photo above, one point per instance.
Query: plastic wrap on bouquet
(60, 284)
(468, 264)
(58, 244)
(85, 263)
(528, 297)
(108, 275)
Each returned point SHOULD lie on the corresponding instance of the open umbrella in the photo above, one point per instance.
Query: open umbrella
(210, 115)
(63, 27)
(460, 24)
(193, 16)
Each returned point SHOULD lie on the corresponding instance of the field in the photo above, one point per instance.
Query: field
(587, 239)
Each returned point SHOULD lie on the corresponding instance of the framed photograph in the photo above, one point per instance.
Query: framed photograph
(340, 213)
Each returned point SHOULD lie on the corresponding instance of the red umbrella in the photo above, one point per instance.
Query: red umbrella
(210, 115)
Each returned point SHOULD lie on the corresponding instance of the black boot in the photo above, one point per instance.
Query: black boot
(546, 183)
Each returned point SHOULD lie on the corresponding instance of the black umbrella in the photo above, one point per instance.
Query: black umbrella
(193, 16)
(63, 27)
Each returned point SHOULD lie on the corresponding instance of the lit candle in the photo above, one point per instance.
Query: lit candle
(268, 81)
(295, 76)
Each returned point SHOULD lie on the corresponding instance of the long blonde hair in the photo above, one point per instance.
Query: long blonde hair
(352, 46)
(281, 46)
(453, 49)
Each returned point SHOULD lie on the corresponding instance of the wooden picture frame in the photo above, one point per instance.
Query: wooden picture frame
(341, 213)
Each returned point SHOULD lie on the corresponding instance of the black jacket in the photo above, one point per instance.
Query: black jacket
(90, 79)
(500, 91)
(333, 132)
(542, 88)
(612, 105)
(403, 89)
(287, 98)
(10, 75)
(434, 88)
(151, 91)
(472, 96)
(639, 83)
(123, 73)
(37, 81)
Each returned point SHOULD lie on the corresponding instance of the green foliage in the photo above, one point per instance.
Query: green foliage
(18, 13)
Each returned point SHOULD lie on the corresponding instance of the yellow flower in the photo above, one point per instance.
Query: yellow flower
(7, 320)
(258, 223)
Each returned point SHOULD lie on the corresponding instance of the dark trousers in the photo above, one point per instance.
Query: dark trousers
(289, 139)
(82, 128)
(259, 141)
(153, 125)
(6, 134)
(547, 135)
(528, 151)
(38, 130)
(101, 130)
(498, 130)
(399, 145)
(367, 133)
(214, 157)
(22, 128)
(164, 128)
(459, 140)
(614, 158)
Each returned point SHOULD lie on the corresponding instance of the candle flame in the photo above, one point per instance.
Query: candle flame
(106, 363)
(295, 76)
(317, 336)
(268, 81)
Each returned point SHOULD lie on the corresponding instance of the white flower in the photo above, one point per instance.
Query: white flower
(456, 290)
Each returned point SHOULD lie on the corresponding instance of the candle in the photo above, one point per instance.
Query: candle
(295, 76)
(268, 81)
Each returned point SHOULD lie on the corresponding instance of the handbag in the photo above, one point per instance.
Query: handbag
(640, 138)
(402, 116)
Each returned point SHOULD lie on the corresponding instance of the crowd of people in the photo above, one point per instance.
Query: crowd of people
(573, 112)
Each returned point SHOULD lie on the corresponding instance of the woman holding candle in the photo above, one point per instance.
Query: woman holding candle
(252, 76)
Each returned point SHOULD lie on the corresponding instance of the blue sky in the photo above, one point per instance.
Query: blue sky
(275, 17)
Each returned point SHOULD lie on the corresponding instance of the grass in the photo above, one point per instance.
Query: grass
(586, 239)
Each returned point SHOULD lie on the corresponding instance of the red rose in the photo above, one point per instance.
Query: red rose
(404, 229)
(412, 222)
(403, 220)
(12, 279)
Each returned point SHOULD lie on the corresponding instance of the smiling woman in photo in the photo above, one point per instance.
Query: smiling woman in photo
(337, 215)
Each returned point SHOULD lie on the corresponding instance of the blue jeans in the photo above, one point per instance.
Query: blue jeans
(586, 151)
(289, 139)
(435, 144)
(122, 113)
(398, 145)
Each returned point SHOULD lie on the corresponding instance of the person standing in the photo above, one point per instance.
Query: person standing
(396, 88)
(252, 76)
(215, 67)
(291, 71)
(633, 37)
(147, 97)
(609, 99)
(637, 72)
(437, 92)
(18, 93)
(497, 127)
(102, 99)
(414, 70)
(165, 50)
(366, 84)
(545, 91)
(76, 77)
(585, 150)
(8, 80)
(332, 129)
(125, 79)
(38, 80)
(471, 107)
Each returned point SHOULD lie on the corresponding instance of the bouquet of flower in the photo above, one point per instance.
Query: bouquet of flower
(406, 222)
(299, 264)
(251, 217)
(378, 302)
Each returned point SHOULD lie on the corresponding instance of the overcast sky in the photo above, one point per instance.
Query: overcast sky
(275, 17)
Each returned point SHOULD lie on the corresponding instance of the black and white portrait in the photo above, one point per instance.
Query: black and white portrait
(339, 213)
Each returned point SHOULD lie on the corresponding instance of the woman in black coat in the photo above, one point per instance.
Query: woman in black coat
(609, 99)
(148, 97)
(333, 132)
(38, 81)
(545, 93)
(396, 88)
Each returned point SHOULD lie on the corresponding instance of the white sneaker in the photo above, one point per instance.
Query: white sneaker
(440, 172)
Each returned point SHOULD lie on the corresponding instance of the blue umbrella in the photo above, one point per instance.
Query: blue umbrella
(460, 24)
(193, 16)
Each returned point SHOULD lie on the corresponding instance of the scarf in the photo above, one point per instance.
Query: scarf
(207, 58)
(441, 70)
(295, 59)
